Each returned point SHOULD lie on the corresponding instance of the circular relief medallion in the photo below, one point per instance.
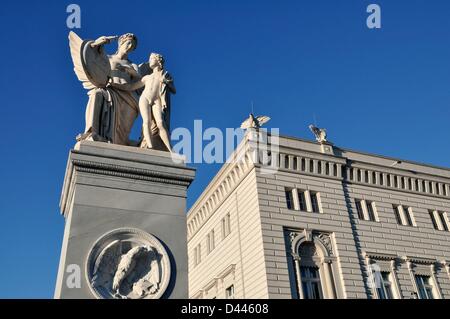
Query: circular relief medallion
(128, 263)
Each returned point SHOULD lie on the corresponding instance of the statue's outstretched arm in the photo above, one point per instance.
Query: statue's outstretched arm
(103, 40)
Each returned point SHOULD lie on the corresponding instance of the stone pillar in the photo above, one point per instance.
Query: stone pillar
(125, 231)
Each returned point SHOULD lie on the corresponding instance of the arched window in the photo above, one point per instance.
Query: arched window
(314, 265)
(295, 166)
(309, 271)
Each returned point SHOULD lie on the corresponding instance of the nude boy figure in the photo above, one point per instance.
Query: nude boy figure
(154, 100)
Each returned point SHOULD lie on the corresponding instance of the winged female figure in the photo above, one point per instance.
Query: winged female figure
(110, 112)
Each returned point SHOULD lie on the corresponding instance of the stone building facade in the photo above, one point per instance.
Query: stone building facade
(323, 222)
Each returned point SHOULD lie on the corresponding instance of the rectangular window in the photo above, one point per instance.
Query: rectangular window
(226, 225)
(222, 222)
(359, 209)
(370, 211)
(433, 220)
(366, 210)
(439, 220)
(311, 283)
(397, 214)
(197, 255)
(210, 244)
(408, 215)
(302, 201)
(229, 292)
(424, 287)
(315, 203)
(289, 199)
(385, 287)
(443, 221)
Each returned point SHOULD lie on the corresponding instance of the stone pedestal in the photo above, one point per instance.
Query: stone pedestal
(125, 231)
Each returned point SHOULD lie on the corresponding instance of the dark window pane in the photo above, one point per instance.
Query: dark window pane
(424, 287)
(359, 210)
(387, 286)
(289, 202)
(443, 221)
(397, 215)
(306, 293)
(314, 203)
(433, 220)
(370, 211)
(311, 283)
(381, 293)
(408, 216)
(316, 290)
(314, 272)
(303, 271)
(302, 200)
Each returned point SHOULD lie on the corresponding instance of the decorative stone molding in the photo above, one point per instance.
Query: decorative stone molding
(229, 270)
(325, 239)
(420, 260)
(384, 177)
(380, 256)
(128, 263)
(129, 172)
(299, 237)
(309, 164)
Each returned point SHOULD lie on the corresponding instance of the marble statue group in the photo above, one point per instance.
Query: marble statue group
(119, 90)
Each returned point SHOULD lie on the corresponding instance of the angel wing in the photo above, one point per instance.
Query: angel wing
(262, 119)
(76, 44)
(106, 264)
(91, 64)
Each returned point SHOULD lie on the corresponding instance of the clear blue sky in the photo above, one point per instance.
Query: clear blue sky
(381, 91)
